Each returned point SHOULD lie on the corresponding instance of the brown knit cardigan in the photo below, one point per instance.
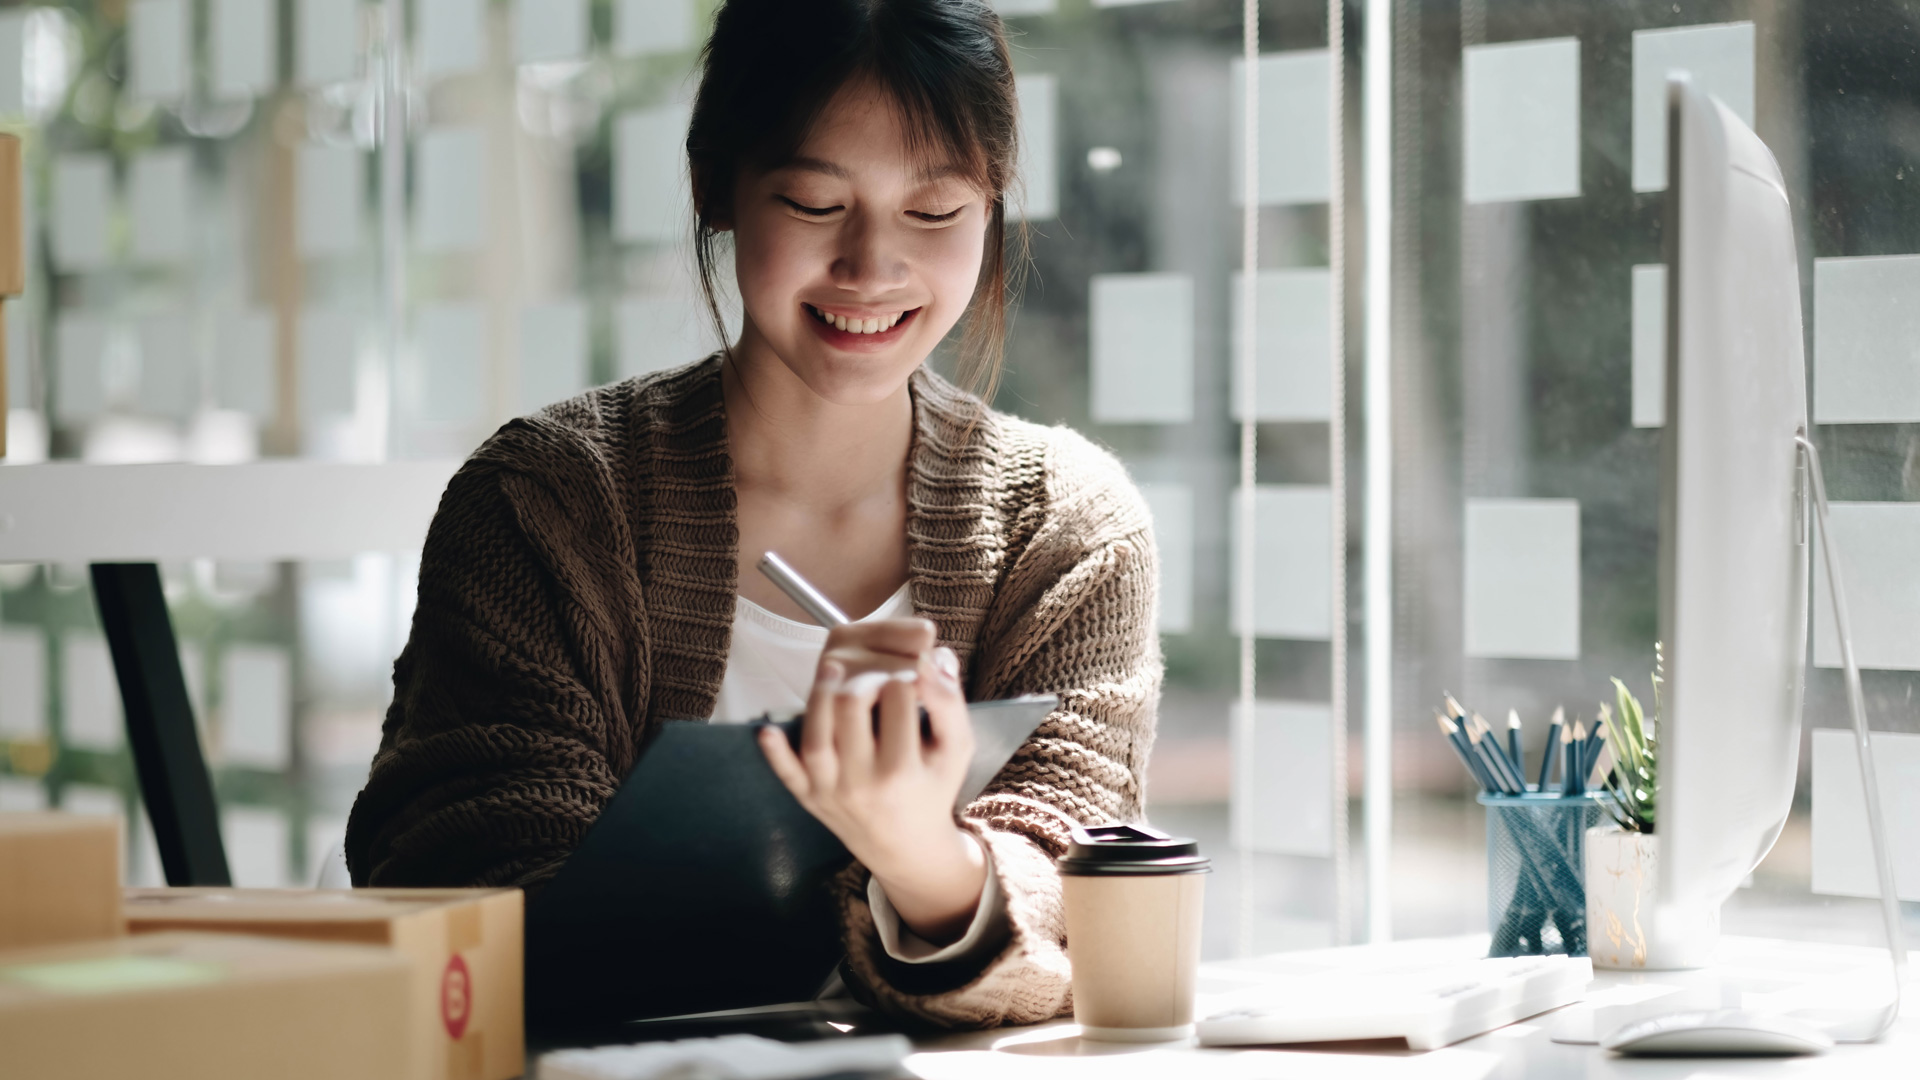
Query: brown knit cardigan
(577, 588)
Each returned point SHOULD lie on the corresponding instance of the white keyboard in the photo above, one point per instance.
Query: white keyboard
(1429, 1005)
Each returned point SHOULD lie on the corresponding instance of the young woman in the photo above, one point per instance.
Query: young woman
(590, 572)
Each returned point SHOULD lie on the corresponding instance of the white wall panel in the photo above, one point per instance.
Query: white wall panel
(1037, 196)
(329, 361)
(452, 345)
(1880, 564)
(158, 47)
(1293, 344)
(1521, 136)
(1142, 348)
(256, 717)
(1842, 846)
(1292, 562)
(244, 37)
(89, 695)
(257, 841)
(450, 199)
(645, 27)
(654, 333)
(160, 201)
(82, 202)
(22, 795)
(329, 197)
(243, 362)
(79, 349)
(1295, 114)
(169, 367)
(23, 683)
(1866, 340)
(553, 352)
(549, 30)
(651, 196)
(1172, 508)
(1523, 578)
(1282, 802)
(1719, 58)
(13, 42)
(450, 36)
(326, 41)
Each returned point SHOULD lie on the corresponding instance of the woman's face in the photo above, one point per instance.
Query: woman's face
(857, 257)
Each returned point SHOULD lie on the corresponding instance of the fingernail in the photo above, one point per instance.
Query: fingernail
(868, 683)
(906, 675)
(947, 661)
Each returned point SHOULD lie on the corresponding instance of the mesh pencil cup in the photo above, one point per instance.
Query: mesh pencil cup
(1536, 895)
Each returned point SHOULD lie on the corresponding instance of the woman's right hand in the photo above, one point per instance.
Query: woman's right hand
(887, 645)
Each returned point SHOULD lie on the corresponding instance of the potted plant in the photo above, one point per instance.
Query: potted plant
(1626, 928)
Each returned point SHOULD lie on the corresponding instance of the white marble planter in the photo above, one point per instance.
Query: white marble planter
(1626, 929)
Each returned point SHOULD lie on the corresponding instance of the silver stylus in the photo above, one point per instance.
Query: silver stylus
(803, 593)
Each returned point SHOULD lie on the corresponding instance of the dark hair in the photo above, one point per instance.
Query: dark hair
(771, 67)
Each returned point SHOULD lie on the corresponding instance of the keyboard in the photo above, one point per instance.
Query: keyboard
(1428, 1005)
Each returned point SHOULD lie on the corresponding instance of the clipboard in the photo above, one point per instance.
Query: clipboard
(704, 885)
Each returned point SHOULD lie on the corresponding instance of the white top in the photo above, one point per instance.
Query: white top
(770, 665)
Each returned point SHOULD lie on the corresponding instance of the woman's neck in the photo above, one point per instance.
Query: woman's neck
(823, 484)
(789, 443)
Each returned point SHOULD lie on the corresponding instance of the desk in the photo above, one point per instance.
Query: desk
(1524, 1050)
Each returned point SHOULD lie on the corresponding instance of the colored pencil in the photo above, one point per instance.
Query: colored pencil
(1553, 741)
(1515, 750)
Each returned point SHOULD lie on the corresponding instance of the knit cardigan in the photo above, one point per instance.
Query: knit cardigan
(577, 589)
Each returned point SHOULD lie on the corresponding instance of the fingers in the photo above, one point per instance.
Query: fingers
(816, 731)
(853, 725)
(946, 705)
(901, 637)
(899, 724)
(786, 765)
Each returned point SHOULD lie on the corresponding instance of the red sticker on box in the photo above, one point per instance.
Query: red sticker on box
(456, 997)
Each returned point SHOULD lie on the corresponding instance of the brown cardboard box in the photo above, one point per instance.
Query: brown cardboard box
(465, 946)
(59, 879)
(203, 1007)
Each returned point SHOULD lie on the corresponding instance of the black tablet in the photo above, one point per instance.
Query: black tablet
(704, 884)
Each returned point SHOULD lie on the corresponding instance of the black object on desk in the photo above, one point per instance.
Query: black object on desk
(704, 885)
(174, 782)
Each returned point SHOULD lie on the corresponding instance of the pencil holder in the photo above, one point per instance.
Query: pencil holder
(1536, 896)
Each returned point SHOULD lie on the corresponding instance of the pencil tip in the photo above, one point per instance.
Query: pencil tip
(1452, 705)
(1559, 714)
(1446, 725)
(1513, 718)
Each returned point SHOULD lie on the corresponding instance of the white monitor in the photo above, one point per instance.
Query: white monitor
(1733, 516)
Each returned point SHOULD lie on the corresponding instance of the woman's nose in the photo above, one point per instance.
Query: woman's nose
(870, 261)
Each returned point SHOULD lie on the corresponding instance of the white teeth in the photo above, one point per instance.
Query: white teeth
(876, 325)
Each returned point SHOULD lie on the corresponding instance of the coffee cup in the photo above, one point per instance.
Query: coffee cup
(1133, 897)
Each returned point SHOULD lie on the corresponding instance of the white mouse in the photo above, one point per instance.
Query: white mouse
(1719, 1033)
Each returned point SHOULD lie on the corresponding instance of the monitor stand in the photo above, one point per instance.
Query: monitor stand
(1856, 1026)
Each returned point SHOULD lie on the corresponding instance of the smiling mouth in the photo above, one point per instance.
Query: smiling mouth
(877, 324)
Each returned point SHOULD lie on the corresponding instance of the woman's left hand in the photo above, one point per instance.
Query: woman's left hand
(886, 792)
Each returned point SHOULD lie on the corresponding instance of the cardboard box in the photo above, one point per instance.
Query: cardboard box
(465, 946)
(204, 1007)
(59, 879)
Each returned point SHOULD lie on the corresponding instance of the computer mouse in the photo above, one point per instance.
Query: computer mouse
(1718, 1033)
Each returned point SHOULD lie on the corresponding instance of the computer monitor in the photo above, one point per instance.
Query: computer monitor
(1733, 517)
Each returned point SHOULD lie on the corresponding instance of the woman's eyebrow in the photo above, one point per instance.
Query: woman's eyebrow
(808, 164)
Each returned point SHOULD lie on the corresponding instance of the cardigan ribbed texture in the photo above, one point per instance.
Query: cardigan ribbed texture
(577, 588)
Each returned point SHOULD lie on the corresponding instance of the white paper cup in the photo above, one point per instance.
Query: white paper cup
(1134, 898)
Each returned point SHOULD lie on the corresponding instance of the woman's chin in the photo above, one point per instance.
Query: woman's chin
(853, 380)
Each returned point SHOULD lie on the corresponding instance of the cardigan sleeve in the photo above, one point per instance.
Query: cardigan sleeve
(1089, 636)
(504, 739)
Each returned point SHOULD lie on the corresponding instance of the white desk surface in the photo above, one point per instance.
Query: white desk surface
(1055, 1052)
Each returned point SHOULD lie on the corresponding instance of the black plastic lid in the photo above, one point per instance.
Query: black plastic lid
(1112, 850)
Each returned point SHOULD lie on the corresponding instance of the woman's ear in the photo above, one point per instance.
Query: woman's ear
(718, 222)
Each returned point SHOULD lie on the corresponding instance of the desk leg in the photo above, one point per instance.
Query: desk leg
(174, 782)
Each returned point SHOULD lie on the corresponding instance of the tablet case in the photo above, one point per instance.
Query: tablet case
(704, 885)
